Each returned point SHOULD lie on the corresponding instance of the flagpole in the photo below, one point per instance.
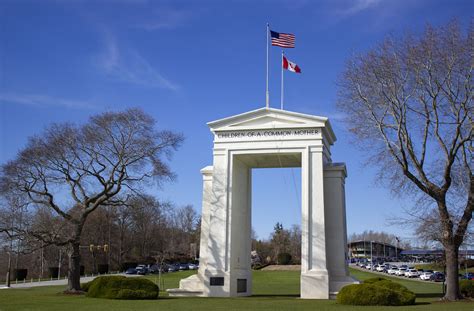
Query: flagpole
(267, 94)
(282, 70)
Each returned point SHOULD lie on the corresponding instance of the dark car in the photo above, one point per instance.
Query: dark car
(131, 271)
(142, 271)
(183, 266)
(173, 268)
(155, 269)
(467, 276)
(437, 277)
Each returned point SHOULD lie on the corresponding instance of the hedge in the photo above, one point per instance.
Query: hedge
(376, 292)
(121, 287)
(284, 259)
(466, 287)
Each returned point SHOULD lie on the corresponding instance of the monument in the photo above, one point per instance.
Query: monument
(270, 138)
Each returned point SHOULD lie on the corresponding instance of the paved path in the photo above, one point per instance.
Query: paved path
(55, 282)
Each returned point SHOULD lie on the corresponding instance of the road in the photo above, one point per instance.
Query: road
(54, 282)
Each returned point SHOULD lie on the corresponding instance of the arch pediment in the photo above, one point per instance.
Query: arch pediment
(270, 118)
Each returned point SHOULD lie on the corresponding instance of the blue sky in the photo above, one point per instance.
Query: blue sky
(190, 62)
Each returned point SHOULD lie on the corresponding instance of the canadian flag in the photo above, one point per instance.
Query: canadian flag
(290, 65)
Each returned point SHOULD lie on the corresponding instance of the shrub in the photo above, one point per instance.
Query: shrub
(85, 286)
(283, 259)
(376, 291)
(367, 295)
(120, 287)
(466, 287)
(373, 280)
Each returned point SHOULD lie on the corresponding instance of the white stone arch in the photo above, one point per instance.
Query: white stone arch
(270, 138)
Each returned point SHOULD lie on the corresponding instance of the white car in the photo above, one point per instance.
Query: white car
(393, 270)
(368, 266)
(412, 273)
(380, 268)
(425, 276)
(401, 272)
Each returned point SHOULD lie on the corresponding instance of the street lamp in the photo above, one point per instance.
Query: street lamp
(9, 252)
(371, 257)
(396, 248)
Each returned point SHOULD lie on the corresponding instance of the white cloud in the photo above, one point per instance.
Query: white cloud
(41, 100)
(167, 18)
(130, 66)
(358, 6)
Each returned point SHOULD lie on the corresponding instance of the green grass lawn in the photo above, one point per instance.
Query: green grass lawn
(273, 290)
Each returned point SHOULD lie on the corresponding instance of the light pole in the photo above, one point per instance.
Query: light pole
(371, 257)
(9, 267)
(396, 248)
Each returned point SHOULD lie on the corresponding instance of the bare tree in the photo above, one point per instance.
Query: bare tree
(411, 101)
(73, 170)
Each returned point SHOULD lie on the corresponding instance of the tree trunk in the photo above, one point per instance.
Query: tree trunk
(74, 273)
(452, 270)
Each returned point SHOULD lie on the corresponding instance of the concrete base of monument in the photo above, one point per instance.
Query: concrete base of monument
(188, 287)
(315, 284)
(220, 284)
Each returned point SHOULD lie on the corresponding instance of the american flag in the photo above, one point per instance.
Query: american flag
(284, 40)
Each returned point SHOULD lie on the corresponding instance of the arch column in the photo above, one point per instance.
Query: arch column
(314, 273)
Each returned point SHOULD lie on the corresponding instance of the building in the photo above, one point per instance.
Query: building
(366, 249)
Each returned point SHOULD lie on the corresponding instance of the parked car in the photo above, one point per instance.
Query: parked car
(412, 273)
(193, 266)
(393, 270)
(401, 271)
(142, 271)
(183, 266)
(131, 271)
(437, 277)
(467, 276)
(370, 266)
(380, 268)
(173, 268)
(426, 275)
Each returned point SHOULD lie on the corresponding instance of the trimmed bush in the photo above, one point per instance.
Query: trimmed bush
(367, 295)
(373, 280)
(376, 292)
(283, 259)
(121, 287)
(466, 287)
(85, 286)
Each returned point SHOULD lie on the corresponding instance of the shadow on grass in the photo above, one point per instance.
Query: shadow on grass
(422, 303)
(276, 295)
(429, 295)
